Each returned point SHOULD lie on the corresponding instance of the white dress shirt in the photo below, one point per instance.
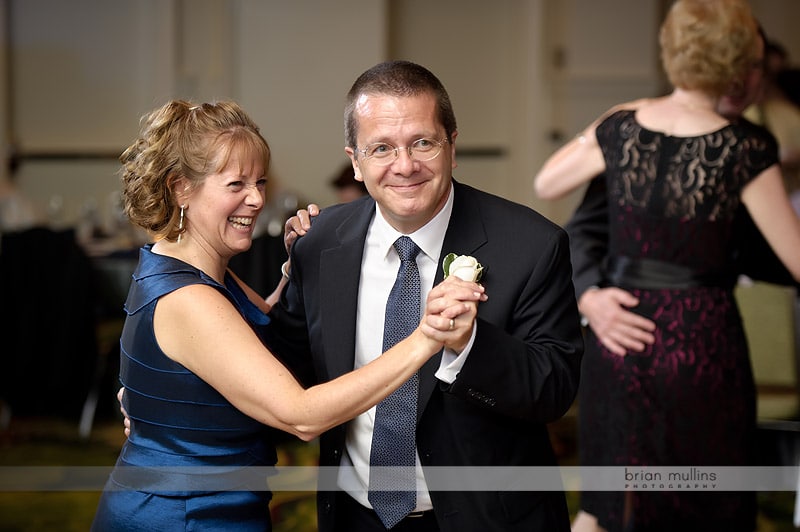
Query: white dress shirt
(378, 272)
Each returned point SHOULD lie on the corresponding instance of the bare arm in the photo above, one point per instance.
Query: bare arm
(295, 227)
(766, 200)
(199, 328)
(577, 162)
(273, 298)
(264, 304)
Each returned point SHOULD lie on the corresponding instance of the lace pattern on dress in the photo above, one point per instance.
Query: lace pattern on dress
(679, 177)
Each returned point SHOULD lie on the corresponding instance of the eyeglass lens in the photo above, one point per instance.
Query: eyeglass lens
(423, 149)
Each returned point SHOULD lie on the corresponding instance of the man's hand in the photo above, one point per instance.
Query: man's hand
(127, 421)
(617, 328)
(450, 312)
(298, 225)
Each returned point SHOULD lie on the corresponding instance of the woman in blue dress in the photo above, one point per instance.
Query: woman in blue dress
(202, 386)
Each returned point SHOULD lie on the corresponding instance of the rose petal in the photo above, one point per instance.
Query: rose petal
(465, 273)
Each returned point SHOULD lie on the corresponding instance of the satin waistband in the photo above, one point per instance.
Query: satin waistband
(653, 274)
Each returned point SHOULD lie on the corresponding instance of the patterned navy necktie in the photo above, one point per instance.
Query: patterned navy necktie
(392, 475)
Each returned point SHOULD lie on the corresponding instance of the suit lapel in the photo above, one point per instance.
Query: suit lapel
(465, 235)
(340, 271)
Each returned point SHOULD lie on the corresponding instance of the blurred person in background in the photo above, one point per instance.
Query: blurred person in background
(676, 389)
(346, 186)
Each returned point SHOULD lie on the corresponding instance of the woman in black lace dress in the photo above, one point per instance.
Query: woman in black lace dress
(676, 171)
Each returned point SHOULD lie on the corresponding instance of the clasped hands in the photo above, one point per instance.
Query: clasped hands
(450, 312)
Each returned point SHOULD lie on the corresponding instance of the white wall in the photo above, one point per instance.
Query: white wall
(85, 71)
(82, 73)
(295, 63)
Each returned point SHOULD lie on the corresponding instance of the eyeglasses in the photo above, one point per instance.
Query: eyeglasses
(384, 154)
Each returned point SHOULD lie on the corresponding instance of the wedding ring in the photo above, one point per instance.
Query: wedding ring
(452, 323)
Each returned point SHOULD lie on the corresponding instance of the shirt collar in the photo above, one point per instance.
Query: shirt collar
(429, 237)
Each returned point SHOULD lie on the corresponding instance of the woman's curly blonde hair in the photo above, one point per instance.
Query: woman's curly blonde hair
(181, 143)
(709, 45)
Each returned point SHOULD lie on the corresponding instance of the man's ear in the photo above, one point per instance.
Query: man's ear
(356, 168)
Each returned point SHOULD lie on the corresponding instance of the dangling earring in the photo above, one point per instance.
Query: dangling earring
(180, 224)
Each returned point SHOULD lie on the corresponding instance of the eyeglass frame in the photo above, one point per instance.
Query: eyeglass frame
(396, 149)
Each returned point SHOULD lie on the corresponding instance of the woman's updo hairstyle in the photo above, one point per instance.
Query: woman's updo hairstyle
(181, 142)
(708, 45)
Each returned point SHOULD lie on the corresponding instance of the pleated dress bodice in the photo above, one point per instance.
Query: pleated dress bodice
(187, 443)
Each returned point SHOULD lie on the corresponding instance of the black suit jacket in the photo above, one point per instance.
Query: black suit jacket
(521, 373)
(588, 233)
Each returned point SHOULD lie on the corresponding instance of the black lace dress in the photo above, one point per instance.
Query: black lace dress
(688, 400)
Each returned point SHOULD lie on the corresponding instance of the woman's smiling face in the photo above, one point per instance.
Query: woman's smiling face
(222, 210)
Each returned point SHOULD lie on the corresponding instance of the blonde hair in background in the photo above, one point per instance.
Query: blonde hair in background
(708, 45)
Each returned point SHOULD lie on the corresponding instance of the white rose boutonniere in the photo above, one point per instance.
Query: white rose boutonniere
(464, 267)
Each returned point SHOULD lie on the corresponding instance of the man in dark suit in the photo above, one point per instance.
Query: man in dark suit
(486, 406)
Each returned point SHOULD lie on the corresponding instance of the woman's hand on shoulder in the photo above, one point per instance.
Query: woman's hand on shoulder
(298, 225)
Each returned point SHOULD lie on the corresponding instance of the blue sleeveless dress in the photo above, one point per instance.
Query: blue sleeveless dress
(192, 461)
